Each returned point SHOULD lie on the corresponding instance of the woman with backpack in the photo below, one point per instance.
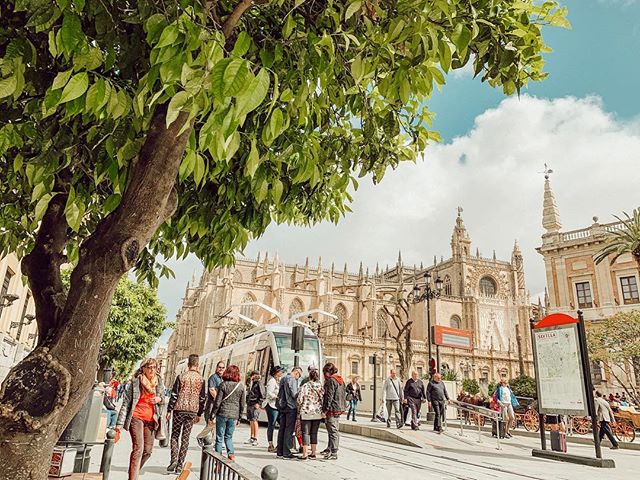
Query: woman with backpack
(227, 409)
(333, 405)
(310, 411)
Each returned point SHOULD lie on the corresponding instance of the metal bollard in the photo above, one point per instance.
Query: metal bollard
(479, 428)
(269, 473)
(205, 462)
(461, 413)
(107, 454)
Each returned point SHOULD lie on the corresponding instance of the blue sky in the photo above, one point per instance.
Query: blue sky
(584, 118)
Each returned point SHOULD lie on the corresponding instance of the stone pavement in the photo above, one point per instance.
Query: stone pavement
(446, 456)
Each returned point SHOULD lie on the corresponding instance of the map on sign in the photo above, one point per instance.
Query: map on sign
(560, 380)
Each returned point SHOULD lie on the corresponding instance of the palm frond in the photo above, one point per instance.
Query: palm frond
(624, 240)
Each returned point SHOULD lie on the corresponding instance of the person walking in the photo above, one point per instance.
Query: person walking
(186, 406)
(310, 408)
(354, 395)
(604, 415)
(437, 397)
(414, 396)
(255, 398)
(288, 412)
(109, 404)
(508, 401)
(271, 407)
(213, 382)
(227, 408)
(392, 397)
(139, 414)
(333, 405)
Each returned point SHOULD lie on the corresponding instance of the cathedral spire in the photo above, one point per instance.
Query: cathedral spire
(265, 265)
(550, 214)
(399, 258)
(366, 275)
(333, 268)
(320, 265)
(360, 272)
(344, 274)
(306, 268)
(460, 241)
(494, 255)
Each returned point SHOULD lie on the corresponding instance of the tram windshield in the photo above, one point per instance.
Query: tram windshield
(309, 356)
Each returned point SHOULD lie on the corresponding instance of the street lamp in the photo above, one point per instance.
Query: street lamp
(426, 294)
(29, 318)
(7, 300)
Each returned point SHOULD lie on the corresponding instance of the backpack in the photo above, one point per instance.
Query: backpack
(341, 396)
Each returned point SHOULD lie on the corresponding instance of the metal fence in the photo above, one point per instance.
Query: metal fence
(481, 412)
(217, 467)
(84, 449)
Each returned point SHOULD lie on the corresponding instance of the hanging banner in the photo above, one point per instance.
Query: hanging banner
(452, 337)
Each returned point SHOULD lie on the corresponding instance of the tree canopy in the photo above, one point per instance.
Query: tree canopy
(286, 102)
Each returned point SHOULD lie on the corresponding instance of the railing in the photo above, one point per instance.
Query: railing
(214, 466)
(81, 464)
(480, 412)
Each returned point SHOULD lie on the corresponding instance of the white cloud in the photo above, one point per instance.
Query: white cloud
(493, 172)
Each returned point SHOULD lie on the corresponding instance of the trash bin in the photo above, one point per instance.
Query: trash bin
(84, 427)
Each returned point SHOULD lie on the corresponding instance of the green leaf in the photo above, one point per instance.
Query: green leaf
(276, 190)
(61, 79)
(178, 101)
(461, 37)
(8, 86)
(75, 88)
(169, 36)
(96, 96)
(187, 165)
(254, 94)
(352, 9)
(199, 169)
(71, 33)
(445, 55)
(111, 203)
(234, 77)
(41, 207)
(242, 45)
(253, 159)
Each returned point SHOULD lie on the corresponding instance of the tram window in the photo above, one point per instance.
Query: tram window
(308, 356)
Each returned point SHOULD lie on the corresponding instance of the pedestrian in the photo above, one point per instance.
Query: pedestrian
(333, 405)
(214, 381)
(623, 400)
(605, 416)
(255, 398)
(139, 413)
(508, 401)
(392, 397)
(438, 398)
(354, 395)
(186, 406)
(110, 405)
(227, 408)
(414, 396)
(288, 412)
(270, 403)
(310, 409)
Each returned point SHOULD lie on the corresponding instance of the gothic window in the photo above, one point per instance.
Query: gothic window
(488, 287)
(296, 307)
(248, 310)
(629, 290)
(237, 277)
(455, 322)
(340, 312)
(447, 285)
(382, 330)
(355, 367)
(583, 292)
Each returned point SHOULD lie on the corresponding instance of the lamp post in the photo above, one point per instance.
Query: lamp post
(426, 294)
(29, 318)
(7, 300)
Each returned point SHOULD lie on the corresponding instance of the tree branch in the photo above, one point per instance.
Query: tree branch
(233, 19)
(42, 264)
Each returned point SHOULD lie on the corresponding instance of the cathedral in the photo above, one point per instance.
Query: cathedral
(485, 297)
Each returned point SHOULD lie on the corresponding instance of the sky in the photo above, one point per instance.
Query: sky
(583, 121)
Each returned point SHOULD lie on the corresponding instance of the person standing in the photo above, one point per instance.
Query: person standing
(414, 396)
(255, 397)
(354, 395)
(605, 416)
(214, 381)
(288, 410)
(508, 401)
(333, 405)
(271, 407)
(310, 408)
(437, 397)
(227, 408)
(392, 397)
(110, 405)
(139, 413)
(186, 405)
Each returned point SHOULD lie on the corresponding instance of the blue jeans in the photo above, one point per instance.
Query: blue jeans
(353, 406)
(112, 416)
(272, 418)
(224, 431)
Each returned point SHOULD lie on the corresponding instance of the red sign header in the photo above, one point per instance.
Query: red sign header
(452, 337)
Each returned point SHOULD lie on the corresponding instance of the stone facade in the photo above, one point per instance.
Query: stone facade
(576, 282)
(483, 295)
(18, 330)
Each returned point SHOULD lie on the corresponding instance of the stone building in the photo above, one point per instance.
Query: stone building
(576, 282)
(18, 330)
(486, 296)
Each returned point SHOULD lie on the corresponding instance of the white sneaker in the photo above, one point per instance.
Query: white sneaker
(249, 441)
(254, 442)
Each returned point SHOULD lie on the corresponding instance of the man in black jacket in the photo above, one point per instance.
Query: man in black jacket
(333, 405)
(438, 397)
(414, 396)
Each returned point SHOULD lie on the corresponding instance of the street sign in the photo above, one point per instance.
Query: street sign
(375, 360)
(452, 337)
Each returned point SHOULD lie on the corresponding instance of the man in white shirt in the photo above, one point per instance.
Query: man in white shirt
(392, 396)
(605, 415)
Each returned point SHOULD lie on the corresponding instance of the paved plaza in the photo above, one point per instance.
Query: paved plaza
(446, 456)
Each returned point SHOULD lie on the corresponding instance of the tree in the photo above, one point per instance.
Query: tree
(470, 386)
(524, 386)
(624, 240)
(616, 342)
(400, 320)
(137, 130)
(449, 375)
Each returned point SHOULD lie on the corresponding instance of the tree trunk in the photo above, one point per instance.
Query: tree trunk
(42, 393)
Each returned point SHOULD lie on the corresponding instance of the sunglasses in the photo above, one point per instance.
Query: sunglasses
(151, 367)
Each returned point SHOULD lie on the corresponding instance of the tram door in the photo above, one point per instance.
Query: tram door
(264, 363)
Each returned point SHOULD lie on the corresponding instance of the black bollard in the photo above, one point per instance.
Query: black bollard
(205, 463)
(107, 454)
(269, 473)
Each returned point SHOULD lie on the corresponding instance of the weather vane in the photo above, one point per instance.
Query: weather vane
(547, 171)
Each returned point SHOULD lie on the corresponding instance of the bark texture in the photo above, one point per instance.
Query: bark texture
(42, 393)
